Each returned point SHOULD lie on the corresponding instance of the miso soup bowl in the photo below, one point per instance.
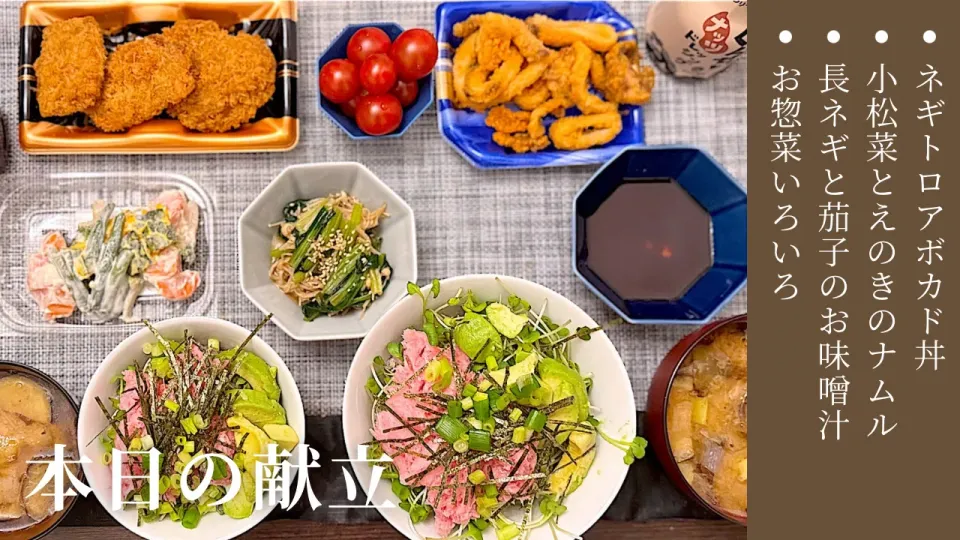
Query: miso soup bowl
(655, 422)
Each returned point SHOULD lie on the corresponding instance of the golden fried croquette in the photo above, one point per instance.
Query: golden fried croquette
(189, 34)
(70, 67)
(235, 75)
(143, 78)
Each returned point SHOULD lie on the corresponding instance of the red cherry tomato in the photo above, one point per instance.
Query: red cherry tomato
(378, 74)
(339, 81)
(415, 53)
(379, 115)
(350, 107)
(367, 41)
(406, 92)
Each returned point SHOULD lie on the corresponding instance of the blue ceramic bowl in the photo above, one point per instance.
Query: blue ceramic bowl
(466, 131)
(711, 187)
(338, 49)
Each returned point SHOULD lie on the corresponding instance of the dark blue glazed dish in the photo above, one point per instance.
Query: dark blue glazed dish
(705, 194)
(338, 49)
(466, 131)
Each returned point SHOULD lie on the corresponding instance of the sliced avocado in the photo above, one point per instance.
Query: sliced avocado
(255, 406)
(499, 375)
(526, 365)
(565, 480)
(474, 333)
(505, 321)
(255, 371)
(564, 382)
(241, 506)
(285, 436)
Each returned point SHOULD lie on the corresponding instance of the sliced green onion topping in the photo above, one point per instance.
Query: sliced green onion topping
(469, 390)
(454, 409)
(476, 477)
(450, 429)
(519, 435)
(479, 440)
(536, 420)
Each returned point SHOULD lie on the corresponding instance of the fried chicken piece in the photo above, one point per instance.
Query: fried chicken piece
(520, 142)
(506, 120)
(504, 25)
(143, 78)
(533, 96)
(484, 87)
(625, 80)
(579, 92)
(585, 131)
(236, 75)
(70, 66)
(598, 36)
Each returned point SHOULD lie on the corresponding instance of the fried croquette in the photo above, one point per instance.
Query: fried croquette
(70, 68)
(143, 78)
(189, 34)
(235, 76)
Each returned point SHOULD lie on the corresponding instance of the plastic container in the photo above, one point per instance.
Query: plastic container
(60, 202)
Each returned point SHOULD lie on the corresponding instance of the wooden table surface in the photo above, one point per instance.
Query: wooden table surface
(664, 529)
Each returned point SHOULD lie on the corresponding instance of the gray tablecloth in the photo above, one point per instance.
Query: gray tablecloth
(468, 221)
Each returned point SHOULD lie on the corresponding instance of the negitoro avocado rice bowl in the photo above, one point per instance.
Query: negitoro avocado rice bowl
(187, 397)
(487, 418)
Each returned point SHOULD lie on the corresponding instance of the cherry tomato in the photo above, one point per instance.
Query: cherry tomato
(415, 53)
(378, 74)
(339, 81)
(349, 108)
(367, 41)
(379, 115)
(406, 92)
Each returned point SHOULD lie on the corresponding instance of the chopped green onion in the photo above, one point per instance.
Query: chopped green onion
(485, 385)
(489, 424)
(189, 446)
(461, 446)
(146, 442)
(450, 429)
(199, 421)
(490, 490)
(536, 420)
(106, 458)
(515, 415)
(440, 373)
(184, 456)
(481, 406)
(135, 445)
(188, 425)
(492, 363)
(476, 477)
(472, 533)
(519, 435)
(213, 343)
(474, 423)
(191, 518)
(171, 405)
(454, 408)
(480, 524)
(479, 440)
(501, 403)
(180, 440)
(466, 403)
(469, 390)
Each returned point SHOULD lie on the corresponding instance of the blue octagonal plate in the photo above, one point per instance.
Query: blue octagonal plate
(710, 186)
(466, 131)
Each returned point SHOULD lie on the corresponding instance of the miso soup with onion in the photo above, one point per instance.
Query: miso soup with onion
(707, 418)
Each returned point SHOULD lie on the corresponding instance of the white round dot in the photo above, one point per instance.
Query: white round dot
(833, 36)
(786, 36)
(929, 36)
(882, 36)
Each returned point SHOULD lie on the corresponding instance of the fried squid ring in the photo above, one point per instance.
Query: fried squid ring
(585, 131)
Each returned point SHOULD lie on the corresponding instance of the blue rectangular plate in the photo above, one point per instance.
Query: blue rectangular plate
(466, 131)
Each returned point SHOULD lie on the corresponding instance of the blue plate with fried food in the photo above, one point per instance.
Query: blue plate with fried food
(539, 84)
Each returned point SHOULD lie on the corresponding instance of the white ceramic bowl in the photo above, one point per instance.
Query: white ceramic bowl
(92, 422)
(318, 180)
(612, 395)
